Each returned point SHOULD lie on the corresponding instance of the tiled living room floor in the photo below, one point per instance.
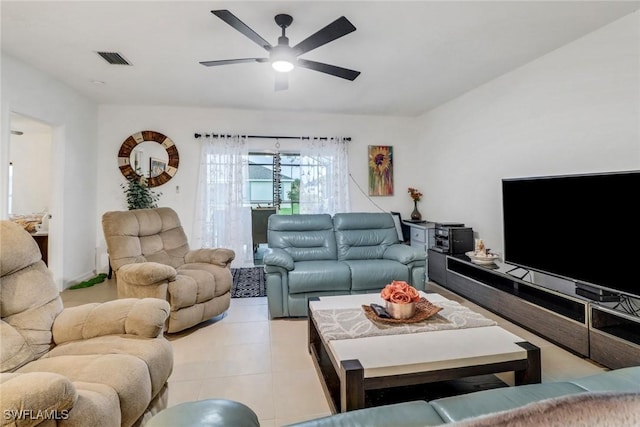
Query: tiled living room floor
(245, 356)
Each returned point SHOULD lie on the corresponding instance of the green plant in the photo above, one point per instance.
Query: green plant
(139, 195)
(88, 283)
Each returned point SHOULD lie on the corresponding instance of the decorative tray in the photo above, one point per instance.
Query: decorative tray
(490, 258)
(424, 310)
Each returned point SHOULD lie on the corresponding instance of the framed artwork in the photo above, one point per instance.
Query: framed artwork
(380, 170)
(156, 167)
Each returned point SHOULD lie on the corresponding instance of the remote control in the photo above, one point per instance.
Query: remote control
(380, 311)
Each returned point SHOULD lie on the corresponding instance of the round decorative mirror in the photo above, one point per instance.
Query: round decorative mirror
(140, 156)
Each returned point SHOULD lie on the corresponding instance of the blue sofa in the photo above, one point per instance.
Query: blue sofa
(607, 399)
(320, 255)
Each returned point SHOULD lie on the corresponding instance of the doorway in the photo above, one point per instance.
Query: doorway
(30, 177)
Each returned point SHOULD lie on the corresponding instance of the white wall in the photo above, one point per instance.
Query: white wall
(33, 93)
(117, 122)
(30, 155)
(574, 110)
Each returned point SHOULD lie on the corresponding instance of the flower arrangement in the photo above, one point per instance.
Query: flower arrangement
(415, 194)
(400, 292)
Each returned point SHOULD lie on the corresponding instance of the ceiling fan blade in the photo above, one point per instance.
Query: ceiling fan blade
(338, 28)
(232, 20)
(233, 61)
(344, 73)
(282, 81)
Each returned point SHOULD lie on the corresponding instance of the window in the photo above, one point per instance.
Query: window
(262, 181)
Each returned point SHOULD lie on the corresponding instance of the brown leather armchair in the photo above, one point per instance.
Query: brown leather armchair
(150, 255)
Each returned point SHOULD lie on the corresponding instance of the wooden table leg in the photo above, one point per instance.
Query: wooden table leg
(351, 385)
(533, 373)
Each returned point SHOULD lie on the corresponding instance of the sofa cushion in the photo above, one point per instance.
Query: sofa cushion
(363, 235)
(205, 285)
(370, 274)
(457, 408)
(130, 378)
(304, 237)
(98, 405)
(585, 409)
(315, 276)
(407, 414)
(15, 350)
(19, 249)
(29, 298)
(145, 235)
(157, 354)
(625, 379)
(34, 392)
(221, 275)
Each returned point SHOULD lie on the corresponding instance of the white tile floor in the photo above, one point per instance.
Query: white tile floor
(245, 356)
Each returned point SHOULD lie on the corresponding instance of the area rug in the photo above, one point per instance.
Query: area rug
(248, 282)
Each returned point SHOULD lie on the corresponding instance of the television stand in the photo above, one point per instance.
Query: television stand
(614, 336)
(598, 330)
(558, 315)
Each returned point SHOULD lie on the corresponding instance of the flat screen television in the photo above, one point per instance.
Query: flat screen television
(584, 228)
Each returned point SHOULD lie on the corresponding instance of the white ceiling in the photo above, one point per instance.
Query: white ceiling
(413, 55)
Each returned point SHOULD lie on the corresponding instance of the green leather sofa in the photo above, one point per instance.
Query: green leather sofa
(504, 406)
(607, 399)
(319, 255)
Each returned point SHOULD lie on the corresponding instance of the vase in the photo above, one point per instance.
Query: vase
(416, 215)
(401, 311)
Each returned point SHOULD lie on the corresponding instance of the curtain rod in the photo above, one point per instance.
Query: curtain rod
(215, 135)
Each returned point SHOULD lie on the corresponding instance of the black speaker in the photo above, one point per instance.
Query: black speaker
(453, 238)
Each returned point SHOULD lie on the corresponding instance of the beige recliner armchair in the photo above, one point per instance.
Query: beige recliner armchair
(150, 255)
(92, 365)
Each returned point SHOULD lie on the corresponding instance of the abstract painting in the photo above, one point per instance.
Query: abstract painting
(380, 170)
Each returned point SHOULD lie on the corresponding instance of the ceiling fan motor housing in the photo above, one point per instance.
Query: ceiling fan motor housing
(283, 20)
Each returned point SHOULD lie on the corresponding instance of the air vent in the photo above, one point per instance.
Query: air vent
(113, 58)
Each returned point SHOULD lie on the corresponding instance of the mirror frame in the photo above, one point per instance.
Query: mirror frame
(129, 144)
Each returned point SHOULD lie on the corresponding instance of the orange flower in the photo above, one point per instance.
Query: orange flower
(400, 297)
(386, 292)
(400, 292)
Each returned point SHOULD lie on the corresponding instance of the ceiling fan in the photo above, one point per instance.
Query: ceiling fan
(284, 58)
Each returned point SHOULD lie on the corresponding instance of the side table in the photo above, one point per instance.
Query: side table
(42, 239)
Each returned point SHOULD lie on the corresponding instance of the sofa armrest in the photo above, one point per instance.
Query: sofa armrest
(142, 317)
(218, 256)
(278, 258)
(146, 273)
(404, 254)
(35, 397)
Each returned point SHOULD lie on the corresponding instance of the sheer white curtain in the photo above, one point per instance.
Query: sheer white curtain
(324, 176)
(222, 218)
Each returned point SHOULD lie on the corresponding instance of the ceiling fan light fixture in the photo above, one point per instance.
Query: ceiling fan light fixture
(282, 59)
(282, 66)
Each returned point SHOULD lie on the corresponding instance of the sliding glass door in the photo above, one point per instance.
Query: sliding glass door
(274, 182)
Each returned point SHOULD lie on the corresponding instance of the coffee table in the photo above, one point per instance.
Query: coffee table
(350, 367)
